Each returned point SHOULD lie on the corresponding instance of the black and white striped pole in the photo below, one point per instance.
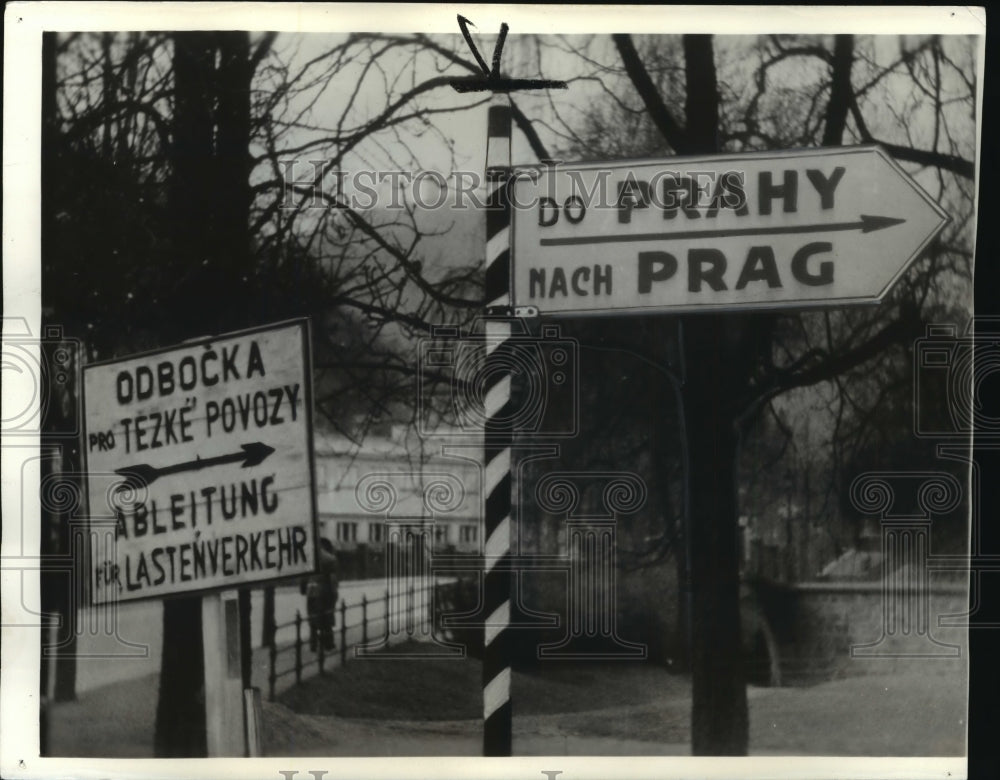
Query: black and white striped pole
(498, 437)
(498, 430)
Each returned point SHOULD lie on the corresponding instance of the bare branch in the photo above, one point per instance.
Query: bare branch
(658, 111)
(840, 91)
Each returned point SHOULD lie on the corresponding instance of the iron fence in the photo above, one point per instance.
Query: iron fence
(400, 614)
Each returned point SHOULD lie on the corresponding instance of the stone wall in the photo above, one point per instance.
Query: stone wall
(825, 630)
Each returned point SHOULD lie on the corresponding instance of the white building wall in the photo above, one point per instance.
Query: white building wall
(359, 488)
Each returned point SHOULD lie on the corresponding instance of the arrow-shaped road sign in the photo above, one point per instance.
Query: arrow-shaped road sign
(772, 230)
(252, 454)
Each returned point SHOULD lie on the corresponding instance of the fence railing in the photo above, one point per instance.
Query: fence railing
(400, 614)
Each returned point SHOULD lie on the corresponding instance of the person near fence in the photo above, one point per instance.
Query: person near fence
(320, 590)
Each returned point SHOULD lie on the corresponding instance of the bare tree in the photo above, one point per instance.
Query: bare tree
(171, 195)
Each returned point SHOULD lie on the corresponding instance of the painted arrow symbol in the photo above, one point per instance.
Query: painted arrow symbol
(866, 224)
(143, 474)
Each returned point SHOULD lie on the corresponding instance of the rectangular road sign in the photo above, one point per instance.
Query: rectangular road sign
(764, 230)
(199, 465)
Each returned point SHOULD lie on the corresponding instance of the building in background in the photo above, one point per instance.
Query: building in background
(394, 481)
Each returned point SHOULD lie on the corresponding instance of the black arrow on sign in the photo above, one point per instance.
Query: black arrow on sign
(866, 224)
(144, 474)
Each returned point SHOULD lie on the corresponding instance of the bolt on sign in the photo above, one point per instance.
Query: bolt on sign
(765, 230)
(199, 465)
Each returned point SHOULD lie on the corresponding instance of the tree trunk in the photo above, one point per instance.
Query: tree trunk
(56, 589)
(663, 333)
(210, 198)
(180, 712)
(267, 619)
(232, 155)
(62, 600)
(717, 373)
(840, 91)
(233, 165)
(199, 294)
(47, 587)
(719, 721)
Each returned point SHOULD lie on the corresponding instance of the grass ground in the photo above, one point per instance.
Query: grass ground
(451, 689)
